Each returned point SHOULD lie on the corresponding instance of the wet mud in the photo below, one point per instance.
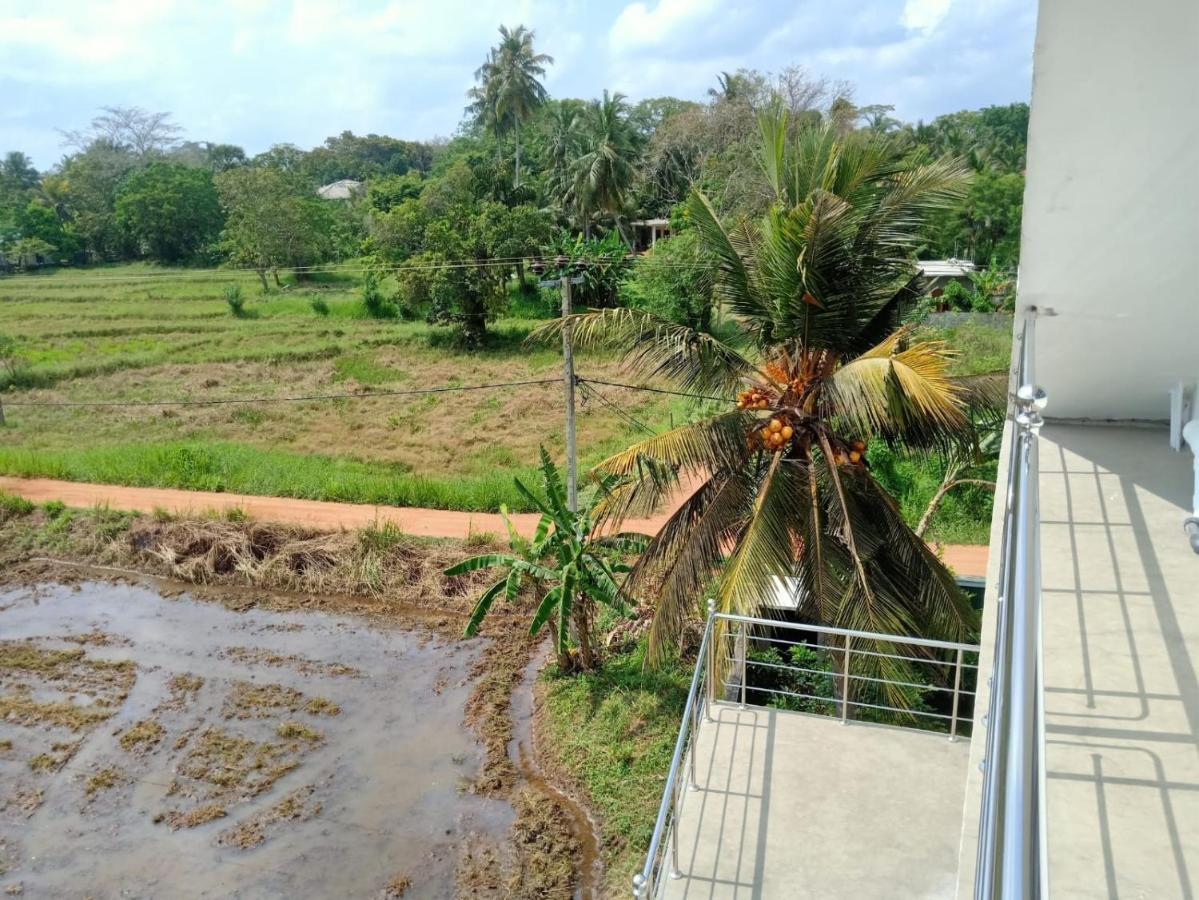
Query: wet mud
(158, 747)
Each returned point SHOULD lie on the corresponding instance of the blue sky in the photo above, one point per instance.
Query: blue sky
(259, 72)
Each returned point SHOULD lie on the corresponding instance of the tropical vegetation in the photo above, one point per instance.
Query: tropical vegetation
(571, 569)
(817, 368)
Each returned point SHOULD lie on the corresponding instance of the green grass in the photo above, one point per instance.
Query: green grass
(243, 469)
(613, 732)
(141, 333)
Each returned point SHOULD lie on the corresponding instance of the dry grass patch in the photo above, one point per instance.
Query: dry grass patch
(191, 818)
(295, 807)
(303, 665)
(248, 700)
(142, 736)
(298, 730)
(21, 709)
(106, 778)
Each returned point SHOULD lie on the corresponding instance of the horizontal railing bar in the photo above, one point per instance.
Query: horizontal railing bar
(838, 701)
(856, 652)
(850, 632)
(911, 684)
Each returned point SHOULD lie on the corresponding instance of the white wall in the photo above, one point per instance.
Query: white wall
(1111, 212)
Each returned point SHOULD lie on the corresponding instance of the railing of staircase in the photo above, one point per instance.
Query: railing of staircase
(646, 882)
(1012, 860)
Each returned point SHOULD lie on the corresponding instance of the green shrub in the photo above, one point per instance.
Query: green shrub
(12, 506)
(378, 305)
(673, 282)
(319, 306)
(237, 303)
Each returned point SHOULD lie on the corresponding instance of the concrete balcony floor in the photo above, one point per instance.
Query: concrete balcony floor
(1121, 630)
(796, 805)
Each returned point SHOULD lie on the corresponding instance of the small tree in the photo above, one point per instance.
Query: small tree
(569, 568)
(270, 224)
(672, 282)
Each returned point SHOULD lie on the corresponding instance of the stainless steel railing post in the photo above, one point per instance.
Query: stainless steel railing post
(675, 871)
(957, 695)
(845, 684)
(742, 660)
(710, 663)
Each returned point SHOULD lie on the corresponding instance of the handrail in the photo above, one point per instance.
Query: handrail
(1012, 861)
(647, 876)
(849, 632)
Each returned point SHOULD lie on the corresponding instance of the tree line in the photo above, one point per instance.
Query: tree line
(525, 174)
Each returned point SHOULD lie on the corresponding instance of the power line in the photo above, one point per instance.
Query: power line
(217, 401)
(654, 390)
(629, 418)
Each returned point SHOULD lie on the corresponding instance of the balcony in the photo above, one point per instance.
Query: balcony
(1093, 596)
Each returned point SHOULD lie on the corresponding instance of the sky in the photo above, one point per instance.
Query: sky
(261, 72)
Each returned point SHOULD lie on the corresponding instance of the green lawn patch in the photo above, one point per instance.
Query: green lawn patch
(613, 732)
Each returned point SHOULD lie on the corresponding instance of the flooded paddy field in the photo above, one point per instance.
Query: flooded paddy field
(154, 747)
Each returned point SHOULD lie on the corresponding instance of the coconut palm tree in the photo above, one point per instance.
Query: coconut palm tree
(508, 90)
(820, 368)
(604, 172)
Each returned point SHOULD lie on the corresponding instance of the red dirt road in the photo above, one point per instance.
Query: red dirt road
(965, 559)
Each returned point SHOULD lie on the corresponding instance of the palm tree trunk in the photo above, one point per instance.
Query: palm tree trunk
(947, 484)
(516, 177)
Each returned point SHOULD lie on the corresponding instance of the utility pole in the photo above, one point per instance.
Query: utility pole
(568, 374)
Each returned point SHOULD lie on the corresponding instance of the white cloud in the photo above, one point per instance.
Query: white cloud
(924, 15)
(638, 26)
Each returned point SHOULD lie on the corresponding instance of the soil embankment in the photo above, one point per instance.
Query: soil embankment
(964, 559)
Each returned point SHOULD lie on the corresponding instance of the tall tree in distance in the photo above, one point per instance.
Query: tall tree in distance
(508, 90)
(605, 171)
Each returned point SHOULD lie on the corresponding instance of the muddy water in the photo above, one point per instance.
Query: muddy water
(520, 751)
(386, 781)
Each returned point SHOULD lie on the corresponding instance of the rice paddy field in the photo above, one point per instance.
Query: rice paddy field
(133, 335)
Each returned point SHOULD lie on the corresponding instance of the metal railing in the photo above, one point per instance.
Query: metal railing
(1012, 860)
(851, 675)
(864, 675)
(648, 880)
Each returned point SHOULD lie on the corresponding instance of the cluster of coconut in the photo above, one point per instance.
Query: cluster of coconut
(776, 434)
(753, 399)
(855, 454)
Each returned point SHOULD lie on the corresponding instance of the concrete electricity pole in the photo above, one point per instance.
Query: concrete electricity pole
(568, 373)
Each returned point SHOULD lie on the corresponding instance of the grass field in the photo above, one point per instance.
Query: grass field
(133, 333)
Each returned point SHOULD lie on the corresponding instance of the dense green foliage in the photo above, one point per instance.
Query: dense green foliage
(169, 211)
(563, 167)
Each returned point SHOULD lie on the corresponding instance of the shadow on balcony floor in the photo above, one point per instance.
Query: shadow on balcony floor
(1121, 614)
(795, 805)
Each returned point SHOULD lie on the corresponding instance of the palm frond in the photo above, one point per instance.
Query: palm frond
(708, 445)
(898, 393)
(655, 347)
(686, 554)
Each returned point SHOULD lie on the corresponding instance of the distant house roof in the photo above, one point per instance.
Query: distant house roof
(652, 222)
(339, 190)
(945, 268)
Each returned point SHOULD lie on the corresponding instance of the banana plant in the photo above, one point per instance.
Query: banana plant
(569, 568)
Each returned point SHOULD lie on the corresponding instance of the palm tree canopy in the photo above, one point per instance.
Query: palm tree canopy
(819, 368)
(604, 172)
(509, 89)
